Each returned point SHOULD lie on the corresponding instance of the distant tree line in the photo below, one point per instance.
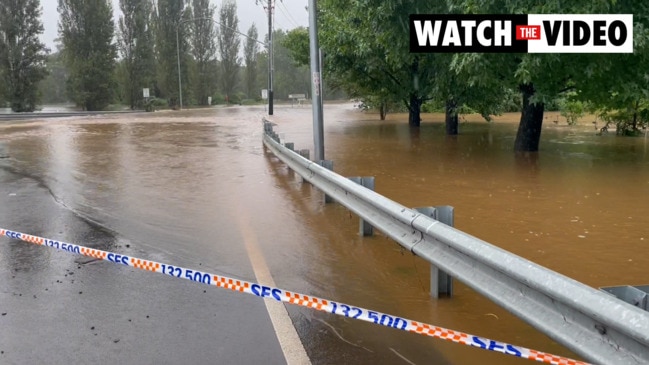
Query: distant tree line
(163, 45)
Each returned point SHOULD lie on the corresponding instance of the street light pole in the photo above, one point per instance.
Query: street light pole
(316, 83)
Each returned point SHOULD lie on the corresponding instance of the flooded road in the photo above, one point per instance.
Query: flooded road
(195, 189)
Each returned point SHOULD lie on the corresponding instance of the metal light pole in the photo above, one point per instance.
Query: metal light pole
(316, 89)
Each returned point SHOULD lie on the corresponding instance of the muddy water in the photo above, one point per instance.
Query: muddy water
(578, 207)
(190, 186)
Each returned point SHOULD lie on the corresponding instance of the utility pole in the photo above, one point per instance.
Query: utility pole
(271, 7)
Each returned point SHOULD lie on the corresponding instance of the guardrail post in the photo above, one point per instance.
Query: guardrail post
(268, 127)
(365, 229)
(304, 153)
(440, 281)
(291, 147)
(634, 295)
(329, 165)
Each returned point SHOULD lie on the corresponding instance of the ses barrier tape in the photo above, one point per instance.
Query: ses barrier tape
(300, 299)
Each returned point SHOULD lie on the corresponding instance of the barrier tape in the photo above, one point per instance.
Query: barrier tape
(308, 301)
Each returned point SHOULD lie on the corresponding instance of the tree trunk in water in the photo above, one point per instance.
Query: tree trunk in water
(451, 118)
(382, 111)
(414, 111)
(529, 129)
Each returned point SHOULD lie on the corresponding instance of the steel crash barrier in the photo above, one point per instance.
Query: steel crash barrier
(593, 324)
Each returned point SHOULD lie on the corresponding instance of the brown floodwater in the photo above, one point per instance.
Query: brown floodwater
(180, 186)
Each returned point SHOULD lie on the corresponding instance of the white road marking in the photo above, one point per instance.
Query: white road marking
(294, 351)
(402, 357)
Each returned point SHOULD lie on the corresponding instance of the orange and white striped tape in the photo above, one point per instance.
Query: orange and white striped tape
(301, 300)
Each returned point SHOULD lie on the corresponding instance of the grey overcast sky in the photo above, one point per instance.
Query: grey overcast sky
(289, 14)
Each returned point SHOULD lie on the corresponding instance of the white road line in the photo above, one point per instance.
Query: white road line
(294, 351)
(402, 357)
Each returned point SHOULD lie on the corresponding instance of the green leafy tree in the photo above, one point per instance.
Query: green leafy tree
(86, 29)
(135, 43)
(229, 43)
(541, 78)
(251, 50)
(463, 91)
(371, 60)
(297, 43)
(22, 54)
(367, 46)
(172, 42)
(570, 108)
(618, 84)
(204, 48)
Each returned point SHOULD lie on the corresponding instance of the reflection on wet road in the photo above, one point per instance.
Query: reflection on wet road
(191, 188)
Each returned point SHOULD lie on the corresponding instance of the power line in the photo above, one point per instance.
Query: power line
(287, 14)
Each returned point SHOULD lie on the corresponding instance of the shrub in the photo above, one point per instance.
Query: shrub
(572, 110)
(218, 98)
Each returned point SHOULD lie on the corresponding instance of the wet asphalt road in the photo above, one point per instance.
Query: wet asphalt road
(57, 309)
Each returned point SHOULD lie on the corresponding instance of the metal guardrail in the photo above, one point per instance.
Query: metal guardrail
(593, 324)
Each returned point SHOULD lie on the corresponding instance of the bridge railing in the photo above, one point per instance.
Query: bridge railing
(593, 324)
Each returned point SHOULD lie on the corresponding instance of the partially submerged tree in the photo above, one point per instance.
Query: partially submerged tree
(619, 84)
(22, 54)
(86, 29)
(541, 78)
(370, 50)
